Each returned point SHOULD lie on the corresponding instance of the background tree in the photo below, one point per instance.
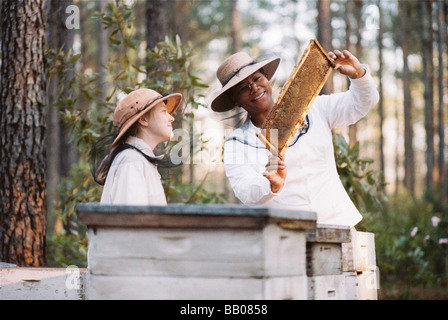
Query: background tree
(23, 128)
(103, 56)
(441, 37)
(357, 12)
(324, 35)
(404, 27)
(428, 80)
(59, 38)
(380, 84)
(235, 32)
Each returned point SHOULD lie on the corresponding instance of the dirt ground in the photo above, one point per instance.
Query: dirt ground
(403, 292)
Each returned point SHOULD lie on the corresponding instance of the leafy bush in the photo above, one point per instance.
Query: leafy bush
(410, 234)
(364, 185)
(170, 65)
(65, 250)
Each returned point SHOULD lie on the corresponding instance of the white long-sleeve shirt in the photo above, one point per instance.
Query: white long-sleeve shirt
(312, 182)
(132, 179)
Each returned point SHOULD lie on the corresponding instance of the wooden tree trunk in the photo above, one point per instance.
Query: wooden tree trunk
(380, 87)
(441, 114)
(409, 178)
(53, 139)
(22, 129)
(68, 152)
(156, 26)
(352, 129)
(428, 79)
(445, 179)
(236, 27)
(58, 36)
(397, 153)
(156, 22)
(102, 53)
(324, 35)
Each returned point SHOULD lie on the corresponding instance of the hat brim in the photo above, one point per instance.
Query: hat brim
(223, 102)
(172, 101)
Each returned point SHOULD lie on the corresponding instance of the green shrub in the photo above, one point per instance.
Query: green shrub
(170, 62)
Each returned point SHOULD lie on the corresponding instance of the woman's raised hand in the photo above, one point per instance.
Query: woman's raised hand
(347, 64)
(275, 173)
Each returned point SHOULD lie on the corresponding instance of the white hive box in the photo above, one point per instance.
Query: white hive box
(196, 252)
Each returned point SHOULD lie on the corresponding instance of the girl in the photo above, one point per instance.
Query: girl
(143, 119)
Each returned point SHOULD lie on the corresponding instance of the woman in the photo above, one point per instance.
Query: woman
(143, 119)
(307, 179)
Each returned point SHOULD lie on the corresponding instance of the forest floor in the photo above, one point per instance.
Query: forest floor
(405, 292)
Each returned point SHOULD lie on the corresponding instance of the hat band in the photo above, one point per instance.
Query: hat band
(138, 111)
(230, 76)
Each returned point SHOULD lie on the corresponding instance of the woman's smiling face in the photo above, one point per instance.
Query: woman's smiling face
(254, 94)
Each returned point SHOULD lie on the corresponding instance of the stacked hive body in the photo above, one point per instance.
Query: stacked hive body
(341, 264)
(297, 96)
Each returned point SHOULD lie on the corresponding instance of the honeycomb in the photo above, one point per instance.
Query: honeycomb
(296, 97)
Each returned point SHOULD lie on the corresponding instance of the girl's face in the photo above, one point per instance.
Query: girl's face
(254, 94)
(160, 122)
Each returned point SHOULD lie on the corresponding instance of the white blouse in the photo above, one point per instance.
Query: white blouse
(312, 182)
(132, 179)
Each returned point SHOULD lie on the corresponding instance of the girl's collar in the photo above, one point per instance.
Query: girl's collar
(142, 146)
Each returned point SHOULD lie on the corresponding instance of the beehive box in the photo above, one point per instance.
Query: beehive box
(359, 255)
(196, 252)
(295, 99)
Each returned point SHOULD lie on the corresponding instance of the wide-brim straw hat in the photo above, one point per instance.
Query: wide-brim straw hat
(136, 104)
(235, 69)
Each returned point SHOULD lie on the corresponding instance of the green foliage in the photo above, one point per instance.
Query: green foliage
(410, 234)
(169, 65)
(410, 240)
(66, 250)
(364, 186)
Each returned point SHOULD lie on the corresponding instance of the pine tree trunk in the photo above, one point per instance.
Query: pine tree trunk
(445, 13)
(441, 114)
(409, 176)
(380, 87)
(156, 22)
(53, 139)
(102, 53)
(428, 79)
(236, 27)
(58, 36)
(324, 35)
(22, 129)
(397, 153)
(352, 129)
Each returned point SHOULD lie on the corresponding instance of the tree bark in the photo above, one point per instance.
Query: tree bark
(428, 79)
(441, 114)
(58, 36)
(22, 130)
(380, 86)
(324, 35)
(102, 53)
(444, 8)
(236, 27)
(53, 140)
(156, 25)
(156, 22)
(352, 129)
(409, 177)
